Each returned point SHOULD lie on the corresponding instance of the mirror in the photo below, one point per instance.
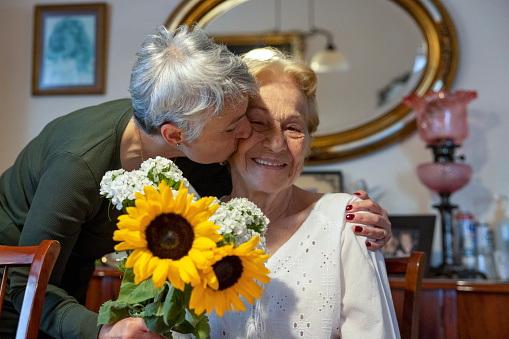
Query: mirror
(361, 110)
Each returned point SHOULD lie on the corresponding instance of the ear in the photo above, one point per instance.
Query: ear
(172, 134)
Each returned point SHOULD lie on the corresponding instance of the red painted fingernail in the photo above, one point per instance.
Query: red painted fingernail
(368, 244)
(350, 216)
(358, 229)
(356, 193)
(349, 207)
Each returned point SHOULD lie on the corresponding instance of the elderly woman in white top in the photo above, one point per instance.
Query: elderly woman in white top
(325, 283)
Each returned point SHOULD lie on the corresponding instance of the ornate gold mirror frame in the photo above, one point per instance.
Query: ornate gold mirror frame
(442, 59)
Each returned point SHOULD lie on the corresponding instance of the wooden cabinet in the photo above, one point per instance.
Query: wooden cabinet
(450, 309)
(460, 308)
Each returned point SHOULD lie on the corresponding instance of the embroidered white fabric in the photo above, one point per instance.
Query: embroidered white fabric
(325, 284)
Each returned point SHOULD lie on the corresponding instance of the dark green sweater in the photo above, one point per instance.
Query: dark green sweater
(52, 192)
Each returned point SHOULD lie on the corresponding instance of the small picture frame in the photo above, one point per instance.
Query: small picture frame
(69, 49)
(321, 182)
(291, 43)
(410, 233)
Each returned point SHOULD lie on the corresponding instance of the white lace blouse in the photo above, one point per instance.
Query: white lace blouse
(324, 284)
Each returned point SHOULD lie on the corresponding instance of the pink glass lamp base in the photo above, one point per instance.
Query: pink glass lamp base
(446, 177)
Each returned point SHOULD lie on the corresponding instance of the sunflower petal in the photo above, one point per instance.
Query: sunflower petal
(234, 298)
(248, 245)
(160, 273)
(203, 243)
(187, 265)
(127, 222)
(133, 257)
(123, 246)
(174, 277)
(200, 258)
(196, 300)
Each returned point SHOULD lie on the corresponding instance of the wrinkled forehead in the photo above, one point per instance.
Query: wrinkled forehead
(281, 96)
(282, 107)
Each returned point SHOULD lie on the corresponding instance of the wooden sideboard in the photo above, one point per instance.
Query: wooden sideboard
(460, 308)
(449, 308)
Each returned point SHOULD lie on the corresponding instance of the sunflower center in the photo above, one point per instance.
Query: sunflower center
(169, 236)
(228, 271)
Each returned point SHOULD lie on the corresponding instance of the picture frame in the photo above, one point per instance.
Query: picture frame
(290, 43)
(321, 182)
(410, 233)
(69, 54)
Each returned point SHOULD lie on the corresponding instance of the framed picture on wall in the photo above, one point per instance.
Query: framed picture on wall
(321, 182)
(69, 54)
(291, 43)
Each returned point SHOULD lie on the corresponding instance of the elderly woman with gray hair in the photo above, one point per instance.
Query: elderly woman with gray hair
(188, 101)
(325, 283)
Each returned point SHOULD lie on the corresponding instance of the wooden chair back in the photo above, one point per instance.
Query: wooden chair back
(412, 268)
(41, 260)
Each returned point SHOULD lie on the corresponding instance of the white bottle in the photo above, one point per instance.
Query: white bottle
(484, 244)
(501, 235)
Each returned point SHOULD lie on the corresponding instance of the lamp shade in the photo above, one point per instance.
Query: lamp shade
(329, 60)
(441, 116)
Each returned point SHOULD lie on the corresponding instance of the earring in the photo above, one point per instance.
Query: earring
(177, 144)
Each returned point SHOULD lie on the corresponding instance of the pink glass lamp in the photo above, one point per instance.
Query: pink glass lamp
(442, 124)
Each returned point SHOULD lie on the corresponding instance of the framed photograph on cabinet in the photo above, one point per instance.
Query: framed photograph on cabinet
(69, 54)
(321, 182)
(410, 233)
(291, 43)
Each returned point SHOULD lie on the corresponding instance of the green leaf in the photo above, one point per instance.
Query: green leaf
(184, 327)
(154, 309)
(112, 311)
(174, 312)
(202, 331)
(157, 325)
(144, 291)
(201, 327)
(132, 293)
(121, 264)
(127, 286)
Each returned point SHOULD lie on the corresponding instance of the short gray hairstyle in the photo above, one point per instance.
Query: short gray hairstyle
(185, 78)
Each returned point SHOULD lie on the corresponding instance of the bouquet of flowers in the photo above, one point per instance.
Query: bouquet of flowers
(186, 256)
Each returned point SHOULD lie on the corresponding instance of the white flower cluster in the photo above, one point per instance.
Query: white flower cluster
(120, 186)
(240, 220)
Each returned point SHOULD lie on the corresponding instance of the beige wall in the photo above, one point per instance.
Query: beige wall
(390, 173)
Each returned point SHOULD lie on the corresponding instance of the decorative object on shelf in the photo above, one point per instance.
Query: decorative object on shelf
(442, 124)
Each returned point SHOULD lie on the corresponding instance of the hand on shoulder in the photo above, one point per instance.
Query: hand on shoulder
(378, 218)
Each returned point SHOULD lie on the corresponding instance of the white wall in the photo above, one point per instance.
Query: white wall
(390, 173)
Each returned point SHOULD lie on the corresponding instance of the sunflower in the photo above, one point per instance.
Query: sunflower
(231, 275)
(171, 238)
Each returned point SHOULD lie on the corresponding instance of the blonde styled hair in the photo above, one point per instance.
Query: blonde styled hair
(273, 62)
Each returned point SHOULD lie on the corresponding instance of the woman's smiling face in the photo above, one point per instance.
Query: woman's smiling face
(272, 158)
